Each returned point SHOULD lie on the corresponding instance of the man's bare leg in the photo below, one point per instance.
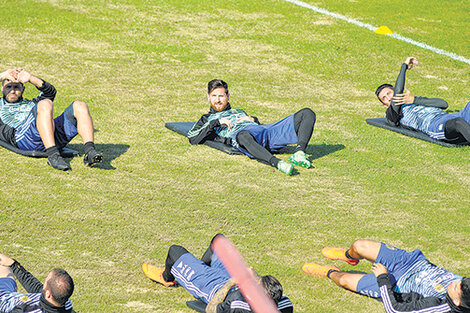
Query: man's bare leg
(6, 272)
(45, 126)
(5, 263)
(84, 122)
(86, 131)
(45, 122)
(360, 249)
(365, 249)
(346, 280)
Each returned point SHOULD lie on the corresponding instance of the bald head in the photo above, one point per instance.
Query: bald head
(60, 285)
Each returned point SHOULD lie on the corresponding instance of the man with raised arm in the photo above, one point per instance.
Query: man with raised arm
(52, 297)
(208, 280)
(404, 281)
(421, 113)
(29, 124)
(235, 127)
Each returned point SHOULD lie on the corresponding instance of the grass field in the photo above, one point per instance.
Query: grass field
(139, 64)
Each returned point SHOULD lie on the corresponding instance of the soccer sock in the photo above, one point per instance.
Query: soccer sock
(300, 147)
(52, 150)
(89, 146)
(348, 255)
(274, 161)
(304, 122)
(330, 271)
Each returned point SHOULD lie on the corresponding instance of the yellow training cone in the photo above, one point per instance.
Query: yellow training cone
(383, 30)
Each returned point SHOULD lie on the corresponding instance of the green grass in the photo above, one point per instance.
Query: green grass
(139, 64)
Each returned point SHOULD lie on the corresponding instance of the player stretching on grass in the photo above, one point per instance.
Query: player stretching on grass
(28, 124)
(405, 281)
(423, 114)
(52, 297)
(234, 127)
(208, 280)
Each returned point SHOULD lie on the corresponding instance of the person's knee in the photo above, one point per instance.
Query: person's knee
(5, 271)
(213, 238)
(308, 113)
(176, 251)
(80, 107)
(454, 127)
(175, 248)
(460, 122)
(361, 246)
(45, 106)
(243, 137)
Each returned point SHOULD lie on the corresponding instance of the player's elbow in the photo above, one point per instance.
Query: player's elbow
(444, 104)
(194, 141)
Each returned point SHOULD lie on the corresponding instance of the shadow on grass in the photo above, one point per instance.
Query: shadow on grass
(316, 151)
(110, 152)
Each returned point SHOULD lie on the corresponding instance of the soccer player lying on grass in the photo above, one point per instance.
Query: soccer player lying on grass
(208, 280)
(234, 127)
(29, 124)
(52, 297)
(420, 113)
(405, 281)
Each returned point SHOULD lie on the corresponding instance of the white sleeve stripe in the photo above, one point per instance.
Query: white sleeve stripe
(193, 133)
(239, 304)
(68, 304)
(284, 304)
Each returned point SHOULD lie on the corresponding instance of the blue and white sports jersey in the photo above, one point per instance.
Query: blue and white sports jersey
(233, 115)
(13, 114)
(10, 300)
(419, 117)
(426, 279)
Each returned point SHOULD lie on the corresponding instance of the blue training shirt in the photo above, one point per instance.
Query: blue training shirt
(13, 114)
(419, 117)
(426, 279)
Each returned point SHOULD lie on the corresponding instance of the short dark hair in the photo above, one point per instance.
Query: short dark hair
(5, 81)
(465, 298)
(216, 83)
(379, 89)
(61, 286)
(273, 287)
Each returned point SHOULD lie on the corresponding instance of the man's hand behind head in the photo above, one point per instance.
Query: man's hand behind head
(10, 75)
(23, 76)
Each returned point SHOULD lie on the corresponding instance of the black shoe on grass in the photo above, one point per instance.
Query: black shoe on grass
(92, 157)
(57, 162)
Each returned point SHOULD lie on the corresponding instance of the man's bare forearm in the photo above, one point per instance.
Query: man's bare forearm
(36, 81)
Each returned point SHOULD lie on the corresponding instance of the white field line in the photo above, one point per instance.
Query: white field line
(373, 28)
